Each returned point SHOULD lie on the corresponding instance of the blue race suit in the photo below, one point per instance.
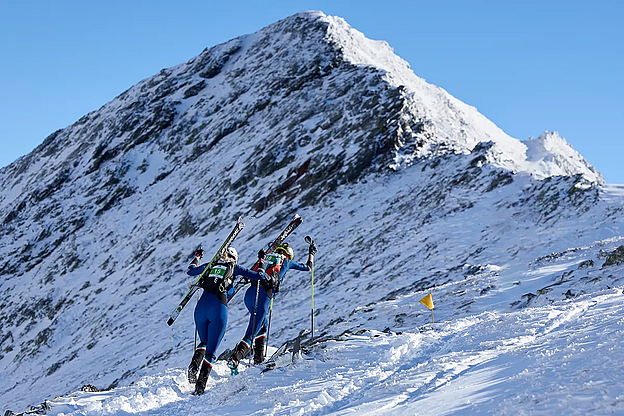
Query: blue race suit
(211, 311)
(264, 302)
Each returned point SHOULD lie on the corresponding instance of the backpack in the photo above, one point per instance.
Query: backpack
(220, 278)
(273, 263)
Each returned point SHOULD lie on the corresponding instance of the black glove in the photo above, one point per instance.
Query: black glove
(199, 252)
(312, 250)
(261, 253)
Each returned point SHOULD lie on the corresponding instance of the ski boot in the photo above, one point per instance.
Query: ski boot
(193, 367)
(241, 350)
(259, 350)
(200, 385)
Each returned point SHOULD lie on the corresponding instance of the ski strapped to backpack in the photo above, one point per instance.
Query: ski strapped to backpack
(270, 248)
(198, 283)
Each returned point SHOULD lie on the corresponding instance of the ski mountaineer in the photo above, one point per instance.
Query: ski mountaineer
(277, 264)
(211, 312)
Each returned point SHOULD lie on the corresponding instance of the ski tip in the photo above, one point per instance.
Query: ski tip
(170, 321)
(268, 367)
(240, 222)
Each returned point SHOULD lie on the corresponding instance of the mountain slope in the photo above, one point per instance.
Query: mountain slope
(536, 334)
(405, 188)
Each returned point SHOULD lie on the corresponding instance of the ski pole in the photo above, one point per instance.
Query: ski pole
(309, 240)
(266, 344)
(312, 314)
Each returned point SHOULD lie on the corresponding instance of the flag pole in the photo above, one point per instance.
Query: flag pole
(428, 302)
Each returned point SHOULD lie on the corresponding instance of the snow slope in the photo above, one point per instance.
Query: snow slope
(406, 190)
(556, 354)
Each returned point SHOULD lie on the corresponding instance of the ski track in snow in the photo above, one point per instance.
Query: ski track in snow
(566, 356)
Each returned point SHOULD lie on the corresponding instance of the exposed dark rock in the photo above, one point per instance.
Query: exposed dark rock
(195, 89)
(586, 264)
(616, 257)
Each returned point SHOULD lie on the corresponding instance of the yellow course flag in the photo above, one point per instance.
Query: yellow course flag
(427, 301)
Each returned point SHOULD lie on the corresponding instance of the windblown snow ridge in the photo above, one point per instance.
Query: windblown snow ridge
(450, 124)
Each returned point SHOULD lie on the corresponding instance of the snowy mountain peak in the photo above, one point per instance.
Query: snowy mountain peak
(452, 124)
(554, 156)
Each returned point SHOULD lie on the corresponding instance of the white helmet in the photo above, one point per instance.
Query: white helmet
(232, 252)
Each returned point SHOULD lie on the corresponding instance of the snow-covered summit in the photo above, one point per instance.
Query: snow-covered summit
(454, 125)
(405, 189)
(552, 155)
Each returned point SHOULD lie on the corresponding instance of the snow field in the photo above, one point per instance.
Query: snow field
(564, 356)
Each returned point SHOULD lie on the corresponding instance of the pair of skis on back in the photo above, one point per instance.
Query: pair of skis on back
(294, 223)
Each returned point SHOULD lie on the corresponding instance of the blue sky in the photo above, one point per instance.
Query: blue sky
(528, 66)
